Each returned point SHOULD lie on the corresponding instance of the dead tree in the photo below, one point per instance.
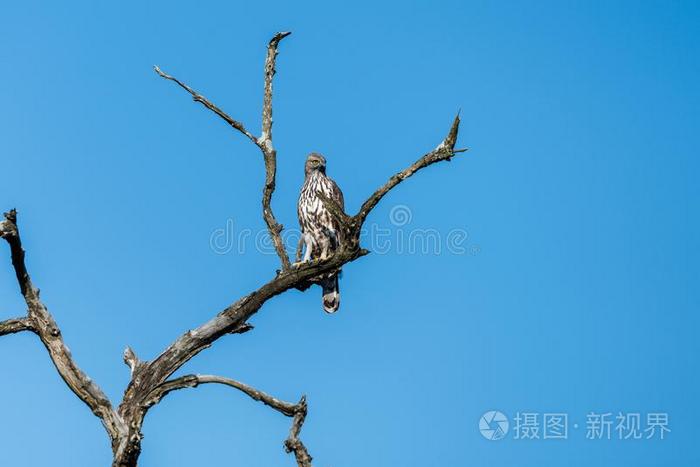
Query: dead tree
(151, 379)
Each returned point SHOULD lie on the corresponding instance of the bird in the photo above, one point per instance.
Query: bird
(321, 232)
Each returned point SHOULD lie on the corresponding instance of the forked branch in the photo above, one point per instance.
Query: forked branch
(264, 142)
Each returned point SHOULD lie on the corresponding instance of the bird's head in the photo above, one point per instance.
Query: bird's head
(315, 162)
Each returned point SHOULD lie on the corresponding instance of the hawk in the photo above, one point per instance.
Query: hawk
(321, 233)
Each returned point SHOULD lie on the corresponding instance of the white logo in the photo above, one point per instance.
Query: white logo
(493, 425)
(400, 215)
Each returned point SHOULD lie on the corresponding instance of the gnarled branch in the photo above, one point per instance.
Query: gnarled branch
(156, 372)
(297, 411)
(293, 443)
(40, 321)
(192, 381)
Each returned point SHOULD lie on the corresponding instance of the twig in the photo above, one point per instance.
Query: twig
(208, 104)
(443, 152)
(269, 75)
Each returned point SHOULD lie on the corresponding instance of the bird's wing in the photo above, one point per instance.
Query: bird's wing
(337, 194)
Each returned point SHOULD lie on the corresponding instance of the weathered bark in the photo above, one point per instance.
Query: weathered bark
(13, 325)
(150, 381)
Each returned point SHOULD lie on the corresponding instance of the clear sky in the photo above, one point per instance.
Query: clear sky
(574, 291)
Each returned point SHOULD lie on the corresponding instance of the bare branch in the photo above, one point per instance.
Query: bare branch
(192, 381)
(443, 152)
(209, 105)
(264, 142)
(192, 342)
(42, 323)
(297, 411)
(8, 231)
(269, 75)
(293, 443)
(269, 152)
(14, 325)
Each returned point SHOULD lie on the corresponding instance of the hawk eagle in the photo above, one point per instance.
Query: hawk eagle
(321, 233)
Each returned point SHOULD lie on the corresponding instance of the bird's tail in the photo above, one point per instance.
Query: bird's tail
(331, 294)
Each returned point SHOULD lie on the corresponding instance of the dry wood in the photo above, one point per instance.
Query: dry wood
(150, 381)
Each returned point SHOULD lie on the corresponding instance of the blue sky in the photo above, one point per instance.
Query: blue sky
(576, 290)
